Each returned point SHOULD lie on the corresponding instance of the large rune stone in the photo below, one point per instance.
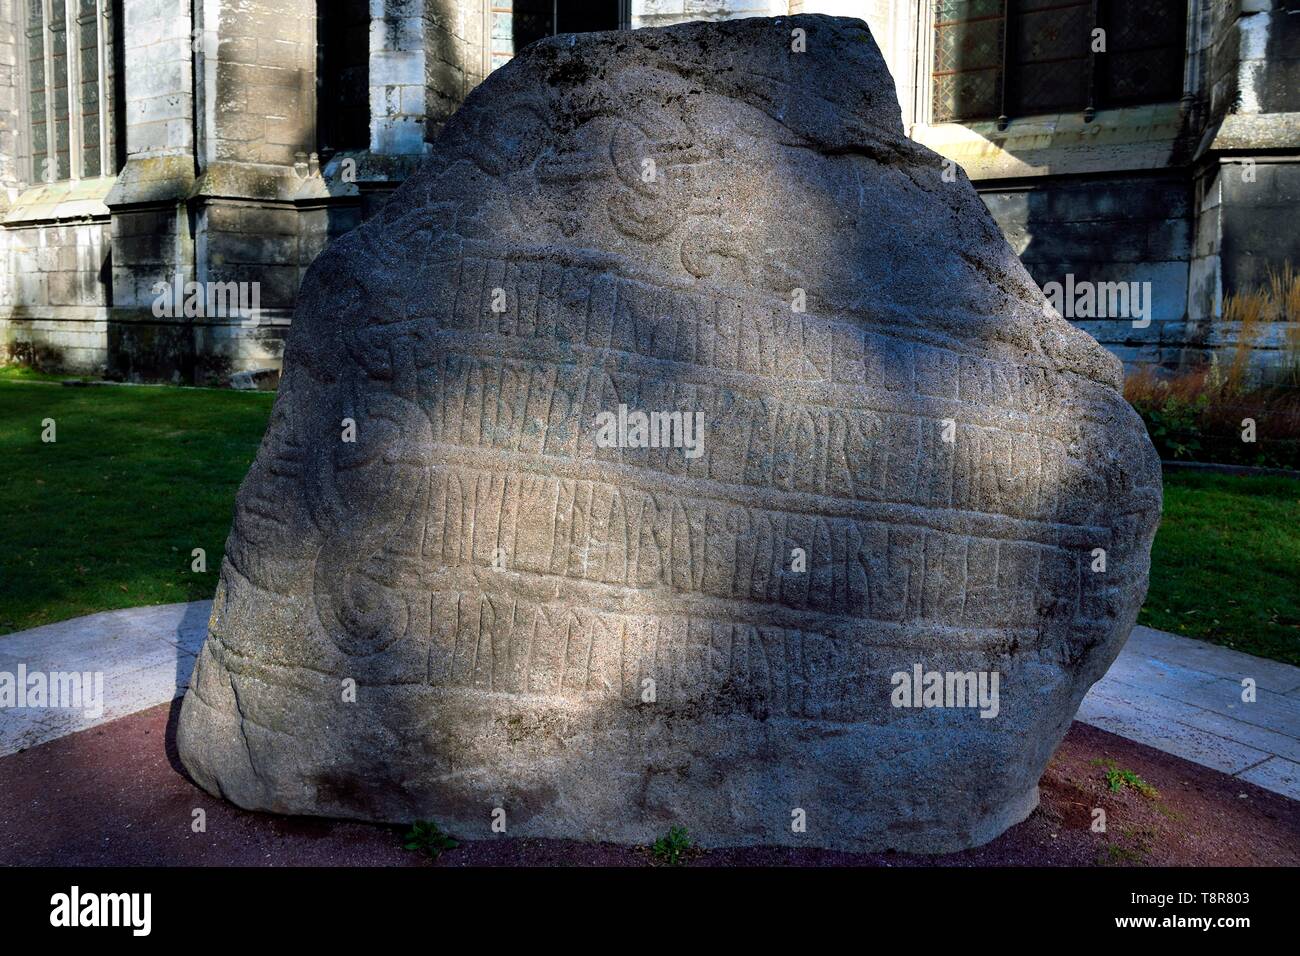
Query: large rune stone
(457, 582)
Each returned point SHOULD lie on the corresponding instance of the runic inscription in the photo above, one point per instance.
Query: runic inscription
(901, 466)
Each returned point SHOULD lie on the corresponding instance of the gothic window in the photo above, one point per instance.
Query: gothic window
(71, 89)
(1004, 58)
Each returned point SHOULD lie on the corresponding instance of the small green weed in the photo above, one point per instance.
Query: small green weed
(1117, 778)
(671, 848)
(428, 837)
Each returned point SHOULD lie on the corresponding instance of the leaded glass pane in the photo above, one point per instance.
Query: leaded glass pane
(967, 59)
(58, 38)
(36, 93)
(88, 35)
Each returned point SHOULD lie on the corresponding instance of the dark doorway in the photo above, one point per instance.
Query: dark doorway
(342, 76)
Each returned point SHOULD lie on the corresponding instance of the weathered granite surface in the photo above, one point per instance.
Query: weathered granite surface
(505, 593)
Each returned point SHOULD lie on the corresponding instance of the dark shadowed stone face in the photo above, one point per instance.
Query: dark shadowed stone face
(679, 446)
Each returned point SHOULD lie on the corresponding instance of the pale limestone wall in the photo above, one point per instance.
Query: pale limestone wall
(56, 281)
(264, 107)
(9, 141)
(55, 286)
(55, 273)
(58, 265)
(1127, 228)
(159, 87)
(397, 77)
(1157, 194)
(1247, 183)
(425, 57)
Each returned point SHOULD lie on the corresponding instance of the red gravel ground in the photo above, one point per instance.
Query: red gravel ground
(115, 795)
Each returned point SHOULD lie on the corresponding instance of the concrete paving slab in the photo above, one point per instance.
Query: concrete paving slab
(1213, 659)
(1184, 696)
(1149, 725)
(144, 656)
(1229, 727)
(1278, 712)
(1158, 676)
(122, 695)
(1276, 774)
(112, 635)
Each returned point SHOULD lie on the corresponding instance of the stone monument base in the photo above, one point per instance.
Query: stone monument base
(606, 772)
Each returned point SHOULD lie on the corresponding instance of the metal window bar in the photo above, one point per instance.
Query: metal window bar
(1004, 75)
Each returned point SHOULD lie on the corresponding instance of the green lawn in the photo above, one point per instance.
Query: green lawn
(1226, 563)
(107, 515)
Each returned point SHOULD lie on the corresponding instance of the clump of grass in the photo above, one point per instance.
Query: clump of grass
(1278, 300)
(1117, 853)
(1284, 290)
(427, 837)
(1172, 410)
(1117, 778)
(673, 847)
